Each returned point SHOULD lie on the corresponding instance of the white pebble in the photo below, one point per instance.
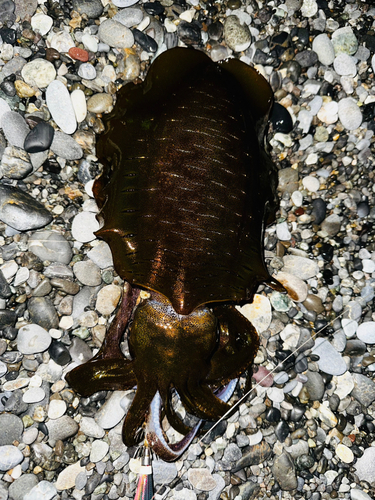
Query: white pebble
(83, 227)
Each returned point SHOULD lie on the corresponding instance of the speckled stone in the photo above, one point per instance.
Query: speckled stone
(115, 34)
(237, 36)
(201, 479)
(39, 72)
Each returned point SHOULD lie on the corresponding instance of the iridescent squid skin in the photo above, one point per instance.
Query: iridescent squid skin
(186, 192)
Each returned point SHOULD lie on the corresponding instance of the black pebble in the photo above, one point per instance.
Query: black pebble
(281, 119)
(9, 333)
(7, 318)
(39, 138)
(189, 33)
(319, 210)
(326, 250)
(282, 431)
(153, 8)
(273, 415)
(8, 88)
(297, 413)
(306, 58)
(59, 353)
(215, 31)
(145, 41)
(8, 35)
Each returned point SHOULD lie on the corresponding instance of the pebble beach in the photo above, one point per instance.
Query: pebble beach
(307, 428)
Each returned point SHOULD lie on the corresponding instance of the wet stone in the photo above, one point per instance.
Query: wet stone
(66, 147)
(21, 211)
(59, 353)
(11, 428)
(315, 386)
(15, 163)
(15, 128)
(43, 312)
(330, 361)
(52, 246)
(39, 138)
(115, 34)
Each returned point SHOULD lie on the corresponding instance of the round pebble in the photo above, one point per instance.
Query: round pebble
(34, 395)
(115, 34)
(99, 450)
(83, 227)
(42, 23)
(237, 36)
(10, 456)
(32, 339)
(39, 72)
(311, 183)
(100, 103)
(107, 300)
(323, 46)
(366, 332)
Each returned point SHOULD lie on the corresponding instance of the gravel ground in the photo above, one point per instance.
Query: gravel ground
(307, 429)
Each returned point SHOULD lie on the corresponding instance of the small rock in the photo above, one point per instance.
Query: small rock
(32, 339)
(21, 486)
(344, 40)
(323, 46)
(236, 35)
(67, 478)
(201, 479)
(366, 332)
(107, 300)
(52, 246)
(42, 491)
(15, 128)
(11, 429)
(83, 227)
(57, 408)
(296, 287)
(61, 428)
(65, 146)
(344, 453)
(39, 72)
(60, 106)
(87, 71)
(129, 17)
(42, 23)
(100, 103)
(259, 312)
(364, 389)
(115, 34)
(87, 273)
(99, 450)
(15, 163)
(284, 472)
(365, 465)
(111, 413)
(330, 361)
(92, 8)
(90, 428)
(39, 138)
(349, 113)
(10, 456)
(34, 395)
(301, 267)
(79, 104)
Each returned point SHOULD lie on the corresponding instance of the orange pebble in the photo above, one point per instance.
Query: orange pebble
(79, 54)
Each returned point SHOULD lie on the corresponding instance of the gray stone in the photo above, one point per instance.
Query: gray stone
(43, 312)
(22, 486)
(61, 428)
(15, 163)
(364, 389)
(92, 8)
(365, 466)
(164, 472)
(124, 3)
(129, 17)
(284, 472)
(101, 255)
(42, 491)
(11, 428)
(52, 246)
(61, 107)
(10, 456)
(21, 211)
(87, 273)
(87, 71)
(314, 385)
(115, 34)
(331, 225)
(366, 332)
(300, 266)
(32, 339)
(350, 114)
(15, 128)
(25, 8)
(323, 46)
(66, 147)
(330, 361)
